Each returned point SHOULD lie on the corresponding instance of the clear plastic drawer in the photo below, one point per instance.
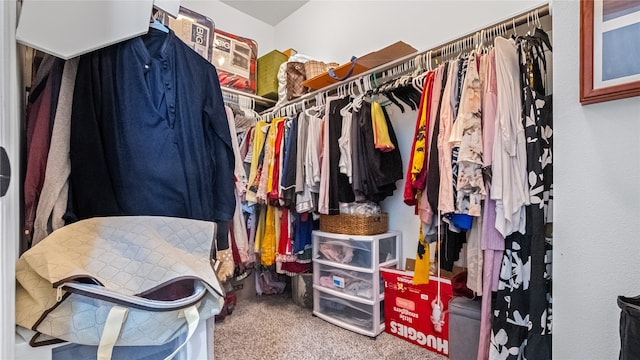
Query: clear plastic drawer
(349, 282)
(356, 251)
(352, 315)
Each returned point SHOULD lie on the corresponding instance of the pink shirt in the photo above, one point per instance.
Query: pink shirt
(445, 201)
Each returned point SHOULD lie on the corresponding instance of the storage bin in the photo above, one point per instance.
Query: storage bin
(200, 346)
(268, 66)
(348, 314)
(357, 252)
(235, 59)
(348, 289)
(464, 328)
(350, 282)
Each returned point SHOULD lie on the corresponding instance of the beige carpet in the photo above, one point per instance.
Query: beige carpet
(273, 327)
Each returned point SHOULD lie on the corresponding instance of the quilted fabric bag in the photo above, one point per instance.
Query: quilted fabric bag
(296, 74)
(119, 281)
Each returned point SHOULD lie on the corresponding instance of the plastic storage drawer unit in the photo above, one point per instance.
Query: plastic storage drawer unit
(464, 328)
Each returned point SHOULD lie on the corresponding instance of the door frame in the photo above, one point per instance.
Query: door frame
(10, 110)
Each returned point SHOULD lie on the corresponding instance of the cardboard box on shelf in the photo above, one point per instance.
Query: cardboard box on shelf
(417, 313)
(194, 29)
(363, 63)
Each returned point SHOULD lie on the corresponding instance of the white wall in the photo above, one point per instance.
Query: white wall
(336, 30)
(235, 22)
(597, 197)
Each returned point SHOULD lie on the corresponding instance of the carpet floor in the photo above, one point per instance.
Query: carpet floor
(274, 327)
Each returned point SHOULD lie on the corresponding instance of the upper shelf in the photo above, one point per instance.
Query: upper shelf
(68, 29)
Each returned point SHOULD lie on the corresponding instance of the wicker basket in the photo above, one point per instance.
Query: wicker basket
(354, 224)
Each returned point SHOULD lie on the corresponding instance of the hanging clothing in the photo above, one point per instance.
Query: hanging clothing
(380, 130)
(268, 159)
(40, 116)
(313, 158)
(522, 313)
(344, 142)
(377, 171)
(433, 171)
(426, 210)
(324, 207)
(509, 181)
(340, 189)
(288, 183)
(149, 133)
(269, 240)
(275, 167)
(492, 242)
(304, 201)
(468, 135)
(259, 138)
(239, 173)
(445, 197)
(52, 204)
(418, 140)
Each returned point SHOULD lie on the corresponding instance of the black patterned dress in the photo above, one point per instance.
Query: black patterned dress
(521, 327)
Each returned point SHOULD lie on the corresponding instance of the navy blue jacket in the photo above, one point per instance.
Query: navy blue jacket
(149, 133)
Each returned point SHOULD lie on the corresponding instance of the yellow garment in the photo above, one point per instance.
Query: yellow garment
(380, 130)
(421, 135)
(268, 246)
(421, 271)
(258, 143)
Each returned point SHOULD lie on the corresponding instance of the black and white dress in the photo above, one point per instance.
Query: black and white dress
(521, 326)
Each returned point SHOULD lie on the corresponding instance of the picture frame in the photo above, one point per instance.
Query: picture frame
(610, 29)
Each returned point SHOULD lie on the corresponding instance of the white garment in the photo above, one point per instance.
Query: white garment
(344, 142)
(509, 181)
(301, 145)
(468, 135)
(475, 256)
(238, 171)
(240, 233)
(313, 153)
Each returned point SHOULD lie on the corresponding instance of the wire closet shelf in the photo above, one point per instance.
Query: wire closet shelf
(413, 64)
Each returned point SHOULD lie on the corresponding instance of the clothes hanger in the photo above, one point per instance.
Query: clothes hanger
(347, 108)
(155, 24)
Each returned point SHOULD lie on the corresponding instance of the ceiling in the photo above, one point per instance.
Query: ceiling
(271, 12)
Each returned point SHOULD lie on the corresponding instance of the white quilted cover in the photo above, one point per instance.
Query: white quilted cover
(128, 255)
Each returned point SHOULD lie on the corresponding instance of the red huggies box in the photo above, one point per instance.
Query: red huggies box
(418, 314)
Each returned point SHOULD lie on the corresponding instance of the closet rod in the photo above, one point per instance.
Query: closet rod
(526, 17)
(264, 102)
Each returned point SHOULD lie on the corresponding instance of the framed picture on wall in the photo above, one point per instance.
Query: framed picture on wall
(609, 50)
